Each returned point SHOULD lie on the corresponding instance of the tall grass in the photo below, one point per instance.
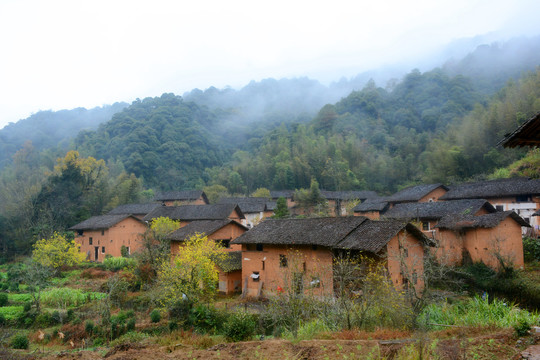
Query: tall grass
(67, 297)
(117, 263)
(477, 312)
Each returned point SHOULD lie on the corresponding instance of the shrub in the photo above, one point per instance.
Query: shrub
(531, 249)
(522, 327)
(2, 319)
(173, 325)
(206, 319)
(3, 299)
(130, 326)
(43, 320)
(89, 326)
(240, 326)
(20, 342)
(155, 316)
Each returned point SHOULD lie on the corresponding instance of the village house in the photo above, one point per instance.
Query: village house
(521, 195)
(339, 201)
(188, 213)
(297, 254)
(255, 209)
(528, 134)
(137, 210)
(186, 197)
(375, 207)
(456, 240)
(287, 194)
(221, 231)
(489, 238)
(104, 235)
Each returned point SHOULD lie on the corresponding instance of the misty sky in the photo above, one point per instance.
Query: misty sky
(65, 54)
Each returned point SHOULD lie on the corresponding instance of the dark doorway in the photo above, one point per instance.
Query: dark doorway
(96, 252)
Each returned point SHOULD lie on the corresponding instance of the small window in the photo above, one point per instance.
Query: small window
(282, 260)
(523, 198)
(259, 247)
(103, 249)
(315, 282)
(405, 252)
(425, 225)
(250, 247)
(128, 250)
(499, 207)
(314, 247)
(255, 276)
(111, 240)
(226, 243)
(80, 232)
(90, 241)
(263, 265)
(102, 232)
(414, 278)
(304, 267)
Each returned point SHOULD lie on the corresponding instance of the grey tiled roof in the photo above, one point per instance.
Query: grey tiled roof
(135, 209)
(101, 222)
(371, 205)
(438, 209)
(354, 233)
(186, 195)
(232, 261)
(250, 204)
(493, 188)
(413, 193)
(206, 227)
(480, 221)
(195, 212)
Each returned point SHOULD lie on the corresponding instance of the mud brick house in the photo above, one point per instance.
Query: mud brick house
(428, 214)
(137, 210)
(106, 234)
(463, 230)
(255, 209)
(298, 254)
(521, 195)
(287, 194)
(528, 134)
(222, 231)
(188, 213)
(187, 197)
(338, 200)
(487, 238)
(373, 208)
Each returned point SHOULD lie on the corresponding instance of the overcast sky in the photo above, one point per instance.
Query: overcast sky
(65, 54)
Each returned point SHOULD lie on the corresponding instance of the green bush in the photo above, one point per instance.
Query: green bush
(3, 299)
(531, 249)
(44, 320)
(11, 312)
(240, 326)
(89, 327)
(522, 327)
(205, 319)
(20, 342)
(3, 320)
(155, 316)
(173, 325)
(130, 326)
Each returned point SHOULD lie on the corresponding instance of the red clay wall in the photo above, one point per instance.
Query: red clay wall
(230, 283)
(434, 195)
(127, 232)
(311, 263)
(483, 244)
(408, 261)
(373, 215)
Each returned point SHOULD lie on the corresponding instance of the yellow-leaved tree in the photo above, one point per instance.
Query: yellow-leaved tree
(192, 274)
(57, 251)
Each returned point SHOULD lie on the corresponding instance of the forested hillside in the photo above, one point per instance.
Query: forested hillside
(47, 129)
(431, 128)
